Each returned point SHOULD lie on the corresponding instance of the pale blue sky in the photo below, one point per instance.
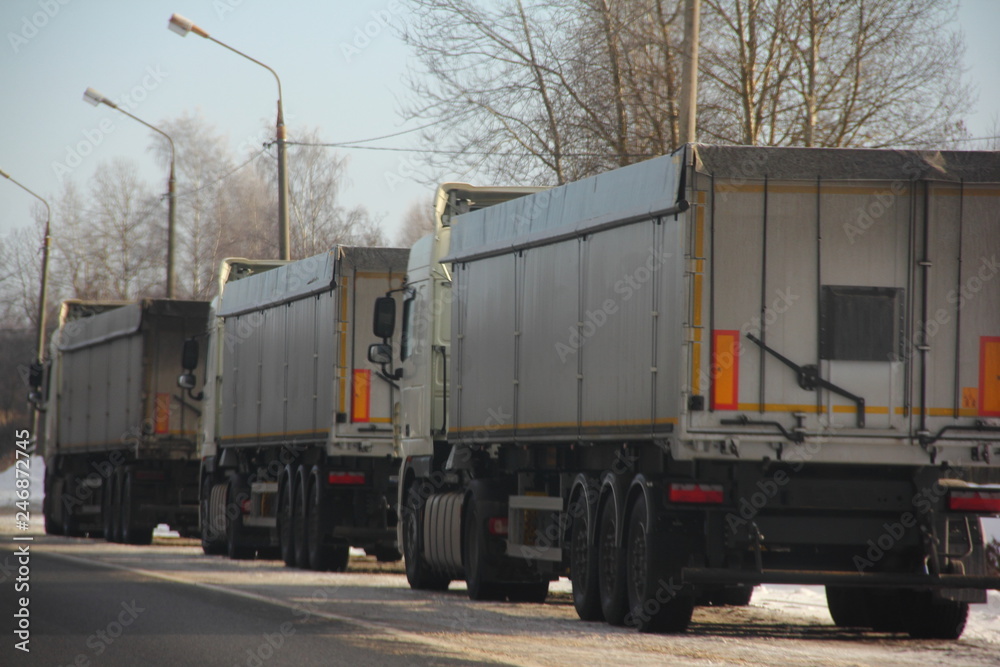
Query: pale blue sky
(115, 46)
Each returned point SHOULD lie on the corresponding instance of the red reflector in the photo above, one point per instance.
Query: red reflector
(498, 525)
(975, 501)
(347, 478)
(149, 475)
(245, 506)
(696, 493)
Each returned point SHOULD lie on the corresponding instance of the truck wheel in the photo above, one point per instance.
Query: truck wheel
(107, 510)
(322, 556)
(116, 506)
(610, 568)
(533, 592)
(70, 525)
(849, 606)
(132, 531)
(299, 513)
(286, 515)
(213, 518)
(932, 618)
(53, 496)
(474, 558)
(418, 572)
(653, 607)
(233, 512)
(583, 562)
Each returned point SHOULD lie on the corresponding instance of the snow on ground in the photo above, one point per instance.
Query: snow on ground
(810, 602)
(802, 601)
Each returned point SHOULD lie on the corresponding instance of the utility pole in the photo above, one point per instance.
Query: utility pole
(689, 76)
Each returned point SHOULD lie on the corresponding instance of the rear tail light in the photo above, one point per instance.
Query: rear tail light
(498, 526)
(346, 478)
(971, 499)
(245, 506)
(697, 493)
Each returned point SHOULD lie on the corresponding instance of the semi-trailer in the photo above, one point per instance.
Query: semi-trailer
(297, 451)
(718, 368)
(120, 441)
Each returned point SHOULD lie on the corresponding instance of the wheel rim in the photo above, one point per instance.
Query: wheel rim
(579, 554)
(607, 556)
(638, 561)
(313, 528)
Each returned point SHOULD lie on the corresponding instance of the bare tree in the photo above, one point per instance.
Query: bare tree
(128, 237)
(553, 90)
(873, 73)
(417, 223)
(319, 219)
(202, 163)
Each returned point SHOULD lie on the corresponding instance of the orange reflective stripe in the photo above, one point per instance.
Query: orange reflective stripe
(161, 415)
(361, 396)
(725, 370)
(989, 376)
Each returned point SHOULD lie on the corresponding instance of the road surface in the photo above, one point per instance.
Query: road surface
(94, 603)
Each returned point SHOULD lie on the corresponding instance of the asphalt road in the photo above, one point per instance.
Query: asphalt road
(87, 614)
(94, 603)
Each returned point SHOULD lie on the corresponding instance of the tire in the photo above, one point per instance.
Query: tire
(322, 556)
(116, 506)
(70, 523)
(652, 608)
(533, 592)
(213, 522)
(931, 618)
(583, 561)
(235, 548)
(849, 606)
(888, 609)
(299, 513)
(418, 573)
(610, 567)
(286, 516)
(474, 552)
(53, 496)
(133, 532)
(107, 511)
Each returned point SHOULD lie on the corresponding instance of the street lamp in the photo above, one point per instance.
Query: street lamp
(182, 27)
(38, 368)
(91, 96)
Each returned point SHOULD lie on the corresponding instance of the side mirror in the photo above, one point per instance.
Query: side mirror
(384, 322)
(187, 381)
(380, 353)
(189, 356)
(35, 372)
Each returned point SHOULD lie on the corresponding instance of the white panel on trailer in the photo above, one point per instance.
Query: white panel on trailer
(486, 394)
(246, 409)
(619, 293)
(326, 365)
(301, 335)
(549, 343)
(272, 380)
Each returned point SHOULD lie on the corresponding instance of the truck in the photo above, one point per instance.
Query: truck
(297, 452)
(120, 444)
(718, 368)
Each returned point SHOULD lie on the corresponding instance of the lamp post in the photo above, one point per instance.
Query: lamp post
(91, 96)
(38, 367)
(182, 27)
